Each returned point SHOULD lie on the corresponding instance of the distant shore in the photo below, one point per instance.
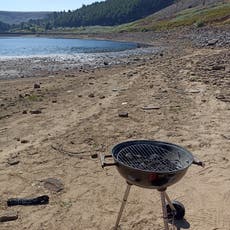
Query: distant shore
(42, 65)
(151, 43)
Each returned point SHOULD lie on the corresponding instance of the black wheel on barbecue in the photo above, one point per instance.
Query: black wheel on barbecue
(180, 210)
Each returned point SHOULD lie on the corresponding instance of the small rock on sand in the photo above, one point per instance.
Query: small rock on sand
(212, 42)
(8, 216)
(37, 111)
(123, 114)
(91, 95)
(150, 107)
(37, 86)
(24, 141)
(53, 184)
(218, 67)
(13, 161)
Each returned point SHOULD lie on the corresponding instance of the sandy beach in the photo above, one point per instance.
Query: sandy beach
(48, 115)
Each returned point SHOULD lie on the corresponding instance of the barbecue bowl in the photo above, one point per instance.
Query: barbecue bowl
(150, 164)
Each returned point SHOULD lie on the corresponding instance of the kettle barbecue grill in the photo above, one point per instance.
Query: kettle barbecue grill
(154, 165)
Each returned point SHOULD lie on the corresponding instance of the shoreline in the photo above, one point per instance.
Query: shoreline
(28, 66)
(158, 42)
(100, 37)
(41, 65)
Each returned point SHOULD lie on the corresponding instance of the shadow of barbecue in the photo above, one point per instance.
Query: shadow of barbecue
(182, 224)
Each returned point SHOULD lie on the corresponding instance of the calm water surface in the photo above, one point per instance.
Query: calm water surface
(24, 46)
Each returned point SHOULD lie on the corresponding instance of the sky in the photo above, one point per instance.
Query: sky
(42, 5)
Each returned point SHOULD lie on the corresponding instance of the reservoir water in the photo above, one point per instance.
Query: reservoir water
(38, 56)
(27, 46)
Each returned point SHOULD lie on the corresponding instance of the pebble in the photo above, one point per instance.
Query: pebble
(91, 95)
(123, 114)
(150, 107)
(218, 67)
(8, 216)
(94, 156)
(13, 161)
(193, 91)
(220, 97)
(53, 184)
(212, 42)
(24, 141)
(37, 86)
(38, 111)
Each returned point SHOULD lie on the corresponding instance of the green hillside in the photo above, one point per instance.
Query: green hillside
(198, 16)
(4, 27)
(107, 13)
(214, 14)
(108, 16)
(11, 17)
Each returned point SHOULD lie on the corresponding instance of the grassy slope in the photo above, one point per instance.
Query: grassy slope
(198, 16)
(215, 14)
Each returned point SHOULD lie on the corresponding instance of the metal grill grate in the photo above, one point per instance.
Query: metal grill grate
(151, 158)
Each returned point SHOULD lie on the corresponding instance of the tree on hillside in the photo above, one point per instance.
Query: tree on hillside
(4, 27)
(107, 13)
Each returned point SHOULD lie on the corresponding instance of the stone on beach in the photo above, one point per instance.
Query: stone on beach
(212, 42)
(91, 95)
(151, 107)
(37, 111)
(13, 161)
(24, 141)
(8, 216)
(53, 184)
(37, 86)
(123, 114)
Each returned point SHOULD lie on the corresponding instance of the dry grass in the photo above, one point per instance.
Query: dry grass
(199, 16)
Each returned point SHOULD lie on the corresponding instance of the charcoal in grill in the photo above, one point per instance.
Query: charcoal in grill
(150, 158)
